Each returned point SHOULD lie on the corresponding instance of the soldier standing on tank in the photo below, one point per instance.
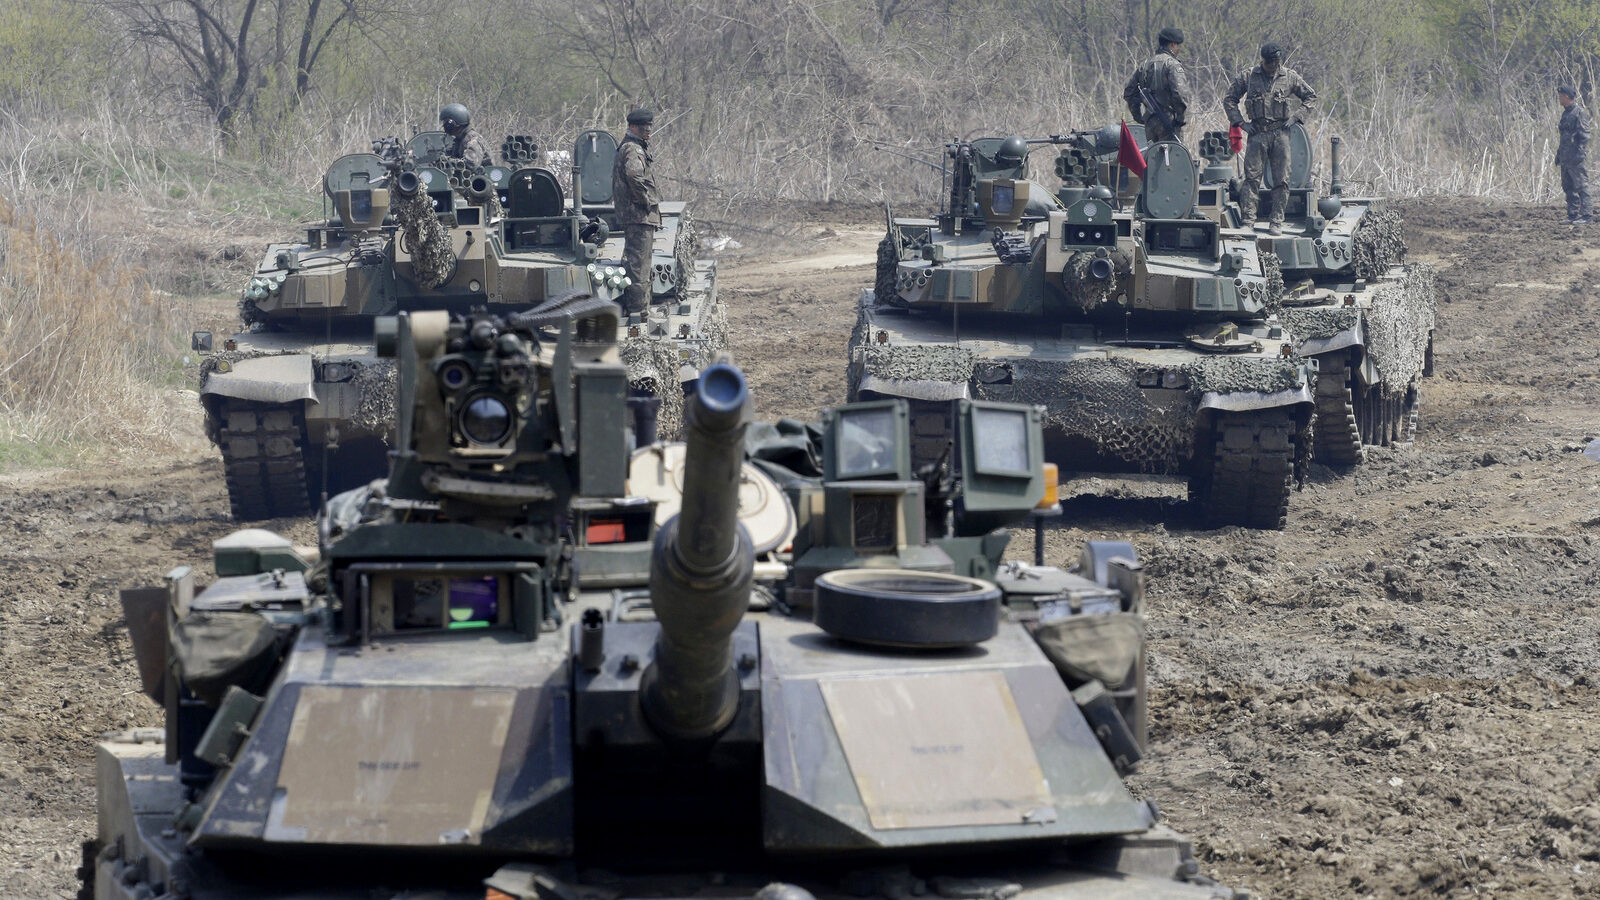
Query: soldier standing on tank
(468, 146)
(1571, 154)
(1160, 80)
(1275, 96)
(638, 207)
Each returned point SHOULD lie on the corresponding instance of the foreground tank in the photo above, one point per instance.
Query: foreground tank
(1144, 328)
(1352, 301)
(299, 404)
(432, 705)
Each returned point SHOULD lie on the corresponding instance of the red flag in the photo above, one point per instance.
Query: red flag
(1128, 152)
(1235, 138)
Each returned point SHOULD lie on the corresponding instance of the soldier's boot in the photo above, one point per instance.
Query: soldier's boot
(633, 299)
(1275, 228)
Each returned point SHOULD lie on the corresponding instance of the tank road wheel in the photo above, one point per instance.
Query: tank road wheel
(1248, 469)
(263, 459)
(1337, 440)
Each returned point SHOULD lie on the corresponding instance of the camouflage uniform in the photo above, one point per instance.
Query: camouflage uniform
(1270, 110)
(639, 214)
(1163, 76)
(1571, 157)
(470, 146)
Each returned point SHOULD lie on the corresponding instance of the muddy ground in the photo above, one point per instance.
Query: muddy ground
(1395, 696)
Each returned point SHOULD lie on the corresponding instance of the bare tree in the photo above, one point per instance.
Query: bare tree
(233, 50)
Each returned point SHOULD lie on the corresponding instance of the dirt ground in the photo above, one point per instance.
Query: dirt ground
(1395, 696)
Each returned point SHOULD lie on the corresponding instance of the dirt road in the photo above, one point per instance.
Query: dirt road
(1397, 695)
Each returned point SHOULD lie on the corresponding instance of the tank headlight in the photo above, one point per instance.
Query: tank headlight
(474, 285)
(486, 420)
(1174, 380)
(1149, 379)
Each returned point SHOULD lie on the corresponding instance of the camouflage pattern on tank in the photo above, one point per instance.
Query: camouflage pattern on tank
(297, 402)
(1145, 329)
(531, 664)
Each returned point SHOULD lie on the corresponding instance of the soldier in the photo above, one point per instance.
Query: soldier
(1571, 153)
(638, 206)
(1270, 92)
(1160, 82)
(469, 145)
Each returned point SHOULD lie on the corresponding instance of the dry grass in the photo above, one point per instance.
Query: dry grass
(81, 350)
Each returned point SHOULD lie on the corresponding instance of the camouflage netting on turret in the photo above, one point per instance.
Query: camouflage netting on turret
(685, 250)
(425, 239)
(1082, 291)
(1378, 244)
(1399, 316)
(1272, 269)
(653, 364)
(883, 286)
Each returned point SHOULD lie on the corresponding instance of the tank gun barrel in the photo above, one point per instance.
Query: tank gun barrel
(701, 571)
(432, 254)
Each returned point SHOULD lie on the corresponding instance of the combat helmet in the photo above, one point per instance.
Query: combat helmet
(454, 114)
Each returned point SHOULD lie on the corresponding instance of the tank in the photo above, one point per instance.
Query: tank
(431, 703)
(1145, 328)
(1352, 301)
(298, 403)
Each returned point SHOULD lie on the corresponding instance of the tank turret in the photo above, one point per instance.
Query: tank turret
(298, 403)
(1122, 303)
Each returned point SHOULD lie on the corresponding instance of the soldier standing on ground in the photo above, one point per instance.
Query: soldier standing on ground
(1163, 79)
(638, 207)
(1275, 96)
(468, 145)
(1571, 154)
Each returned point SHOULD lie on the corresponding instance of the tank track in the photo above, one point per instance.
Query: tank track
(1338, 440)
(263, 459)
(1246, 473)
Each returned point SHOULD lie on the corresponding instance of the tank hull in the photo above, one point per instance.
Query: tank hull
(1143, 401)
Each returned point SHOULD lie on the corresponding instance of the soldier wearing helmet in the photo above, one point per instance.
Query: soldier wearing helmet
(638, 204)
(468, 145)
(1160, 80)
(1275, 97)
(1012, 152)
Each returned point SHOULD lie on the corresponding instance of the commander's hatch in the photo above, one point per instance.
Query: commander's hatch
(428, 146)
(595, 152)
(1170, 182)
